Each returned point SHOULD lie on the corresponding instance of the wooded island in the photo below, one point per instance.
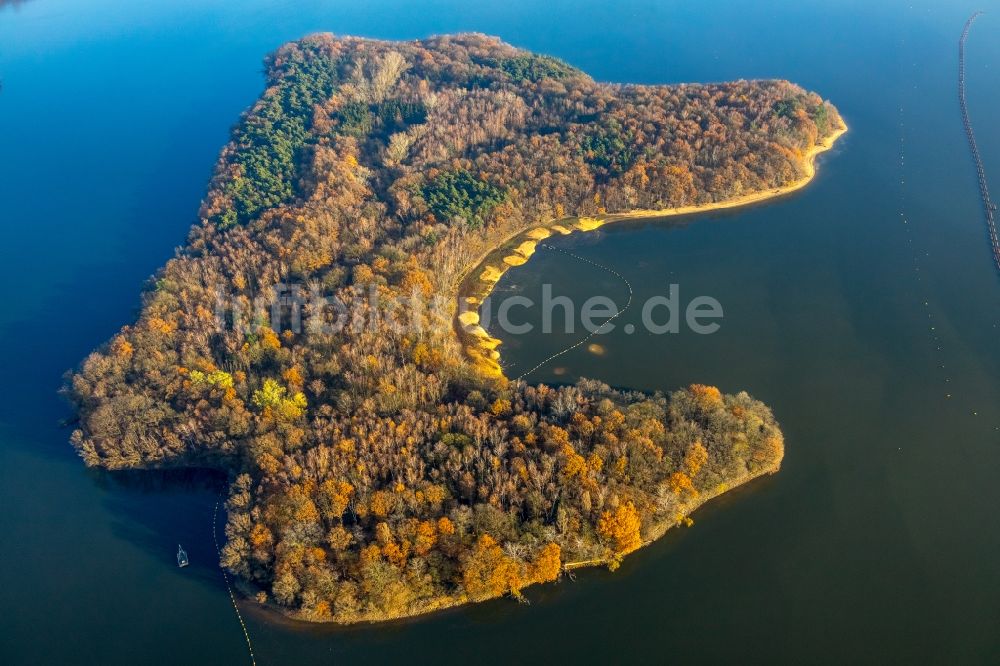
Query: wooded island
(384, 471)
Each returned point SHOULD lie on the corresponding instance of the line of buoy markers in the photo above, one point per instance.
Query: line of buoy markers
(989, 207)
(597, 330)
(229, 587)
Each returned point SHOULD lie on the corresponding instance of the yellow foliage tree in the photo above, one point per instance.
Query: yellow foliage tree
(708, 397)
(122, 348)
(500, 407)
(293, 377)
(547, 564)
(445, 526)
(622, 528)
(161, 326)
(680, 482)
(260, 537)
(268, 338)
(334, 498)
(695, 458)
(489, 572)
(380, 504)
(416, 281)
(273, 399)
(425, 539)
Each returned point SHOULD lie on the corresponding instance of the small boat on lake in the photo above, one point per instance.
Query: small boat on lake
(182, 557)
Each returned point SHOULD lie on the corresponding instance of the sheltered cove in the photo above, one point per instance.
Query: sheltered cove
(479, 282)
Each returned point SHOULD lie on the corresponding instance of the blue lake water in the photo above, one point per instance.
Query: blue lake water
(878, 540)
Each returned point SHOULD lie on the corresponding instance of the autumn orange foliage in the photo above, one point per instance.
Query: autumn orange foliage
(377, 471)
(489, 572)
(622, 528)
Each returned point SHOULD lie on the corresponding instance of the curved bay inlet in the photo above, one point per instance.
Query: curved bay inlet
(481, 279)
(853, 308)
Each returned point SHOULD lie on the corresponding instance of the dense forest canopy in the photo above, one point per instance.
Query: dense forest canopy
(375, 472)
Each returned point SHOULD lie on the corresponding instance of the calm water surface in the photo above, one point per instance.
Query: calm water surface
(878, 540)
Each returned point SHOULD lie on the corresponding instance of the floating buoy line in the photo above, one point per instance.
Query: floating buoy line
(989, 208)
(922, 291)
(597, 330)
(229, 587)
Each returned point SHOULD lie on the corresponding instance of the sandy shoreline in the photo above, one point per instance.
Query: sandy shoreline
(481, 348)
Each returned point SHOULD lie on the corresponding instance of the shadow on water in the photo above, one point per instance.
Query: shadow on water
(55, 333)
(158, 510)
(47, 352)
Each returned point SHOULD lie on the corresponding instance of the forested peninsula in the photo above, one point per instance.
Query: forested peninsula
(382, 471)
